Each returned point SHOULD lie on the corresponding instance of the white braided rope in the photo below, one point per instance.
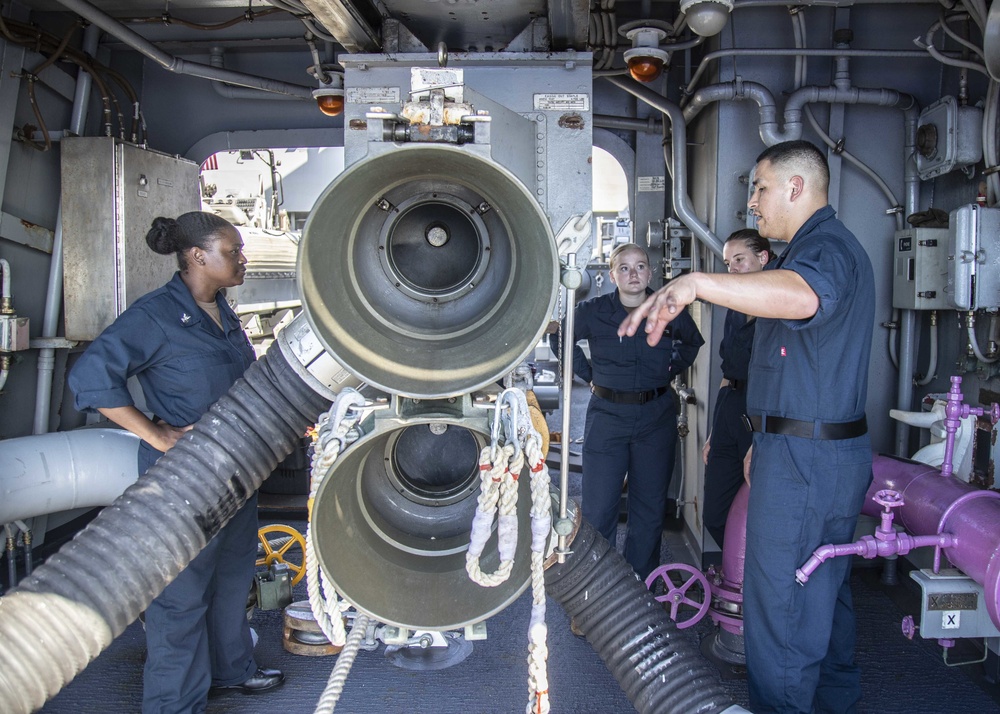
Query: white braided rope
(497, 494)
(335, 430)
(541, 526)
(500, 469)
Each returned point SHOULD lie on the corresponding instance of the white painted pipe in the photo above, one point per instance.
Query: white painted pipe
(60, 471)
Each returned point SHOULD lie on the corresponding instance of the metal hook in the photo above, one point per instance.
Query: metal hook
(495, 432)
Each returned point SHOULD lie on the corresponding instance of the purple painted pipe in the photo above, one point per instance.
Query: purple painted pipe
(870, 547)
(727, 587)
(734, 550)
(935, 505)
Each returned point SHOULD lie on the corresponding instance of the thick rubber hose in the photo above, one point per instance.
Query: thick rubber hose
(659, 670)
(73, 606)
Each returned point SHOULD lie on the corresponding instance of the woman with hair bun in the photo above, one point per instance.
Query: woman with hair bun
(186, 347)
(745, 251)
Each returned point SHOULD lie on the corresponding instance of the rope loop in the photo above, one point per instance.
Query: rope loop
(500, 467)
(335, 430)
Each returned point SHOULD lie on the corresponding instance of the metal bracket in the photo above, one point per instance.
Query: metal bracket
(574, 233)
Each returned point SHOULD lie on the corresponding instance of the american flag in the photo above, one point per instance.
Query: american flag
(210, 164)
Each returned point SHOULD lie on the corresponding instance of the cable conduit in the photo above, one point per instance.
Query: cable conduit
(176, 64)
(62, 617)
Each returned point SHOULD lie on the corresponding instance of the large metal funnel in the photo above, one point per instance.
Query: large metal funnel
(391, 524)
(428, 271)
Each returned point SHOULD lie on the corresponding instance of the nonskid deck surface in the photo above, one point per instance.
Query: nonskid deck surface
(899, 676)
(908, 677)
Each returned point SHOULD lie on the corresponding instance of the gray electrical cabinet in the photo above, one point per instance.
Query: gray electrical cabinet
(111, 192)
(974, 250)
(920, 274)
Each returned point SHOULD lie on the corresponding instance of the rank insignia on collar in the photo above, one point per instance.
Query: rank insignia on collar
(185, 318)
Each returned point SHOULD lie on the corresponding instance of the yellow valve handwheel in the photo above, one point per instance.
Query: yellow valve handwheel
(275, 542)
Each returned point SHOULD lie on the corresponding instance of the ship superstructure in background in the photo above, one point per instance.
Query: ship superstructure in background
(458, 196)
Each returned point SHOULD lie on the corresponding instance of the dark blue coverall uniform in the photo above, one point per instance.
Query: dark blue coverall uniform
(197, 633)
(631, 422)
(730, 438)
(811, 377)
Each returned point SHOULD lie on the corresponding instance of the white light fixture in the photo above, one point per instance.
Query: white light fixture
(706, 17)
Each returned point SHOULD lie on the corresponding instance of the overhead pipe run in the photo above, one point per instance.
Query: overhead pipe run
(770, 133)
(790, 52)
(647, 126)
(228, 91)
(176, 64)
(682, 202)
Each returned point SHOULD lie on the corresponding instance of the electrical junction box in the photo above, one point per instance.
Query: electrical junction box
(111, 192)
(949, 137)
(952, 605)
(920, 269)
(974, 258)
(14, 335)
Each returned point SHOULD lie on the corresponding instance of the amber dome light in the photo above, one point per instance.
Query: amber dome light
(645, 68)
(330, 104)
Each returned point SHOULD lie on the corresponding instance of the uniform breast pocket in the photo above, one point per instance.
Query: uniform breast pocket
(207, 360)
(656, 360)
(607, 349)
(210, 373)
(769, 354)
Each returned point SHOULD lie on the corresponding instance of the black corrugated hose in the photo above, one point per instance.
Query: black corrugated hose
(71, 608)
(659, 670)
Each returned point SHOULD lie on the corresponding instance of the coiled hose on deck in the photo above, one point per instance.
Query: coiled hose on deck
(659, 670)
(73, 606)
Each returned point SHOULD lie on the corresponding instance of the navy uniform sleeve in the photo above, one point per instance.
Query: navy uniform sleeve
(687, 340)
(128, 345)
(827, 267)
(581, 331)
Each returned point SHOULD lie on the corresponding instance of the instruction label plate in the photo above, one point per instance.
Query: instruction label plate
(562, 102)
(651, 183)
(372, 95)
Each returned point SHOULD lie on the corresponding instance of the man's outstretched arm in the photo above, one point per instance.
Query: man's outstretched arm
(778, 294)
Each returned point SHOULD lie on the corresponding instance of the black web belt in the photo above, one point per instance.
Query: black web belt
(806, 429)
(629, 397)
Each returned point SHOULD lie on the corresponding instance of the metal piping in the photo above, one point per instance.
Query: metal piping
(788, 52)
(934, 504)
(176, 64)
(54, 293)
(907, 318)
(85, 468)
(770, 134)
(827, 3)
(228, 91)
(647, 126)
(682, 202)
(569, 326)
